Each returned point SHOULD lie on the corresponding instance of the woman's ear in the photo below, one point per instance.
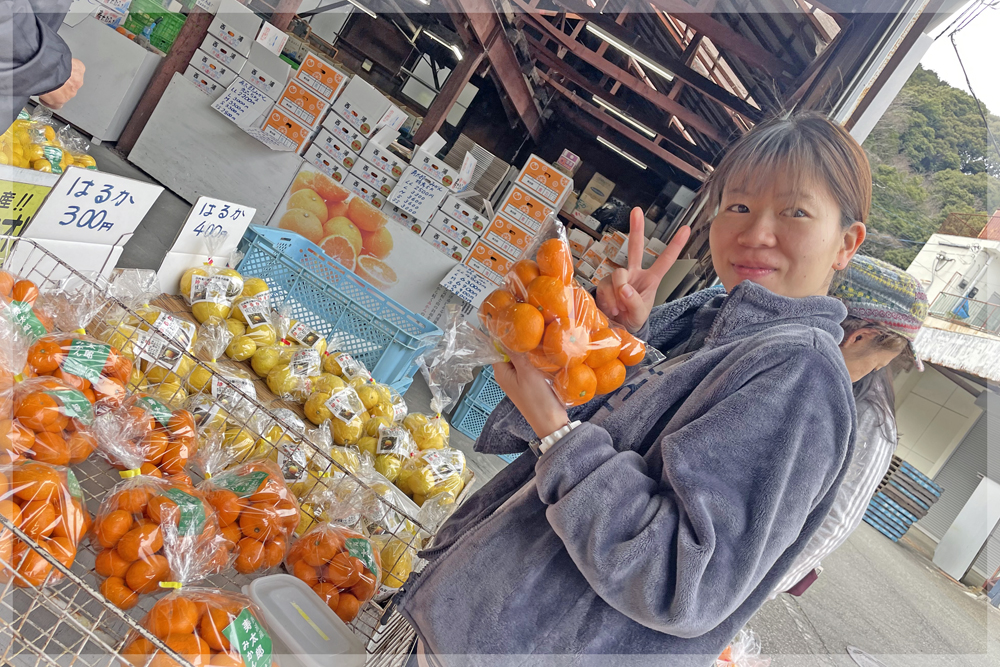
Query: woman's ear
(854, 236)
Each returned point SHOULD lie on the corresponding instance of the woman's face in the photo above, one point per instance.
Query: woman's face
(788, 240)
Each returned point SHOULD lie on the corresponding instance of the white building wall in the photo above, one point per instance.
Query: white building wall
(959, 257)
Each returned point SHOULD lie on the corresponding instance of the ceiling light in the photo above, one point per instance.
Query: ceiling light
(625, 48)
(454, 49)
(625, 117)
(635, 161)
(363, 8)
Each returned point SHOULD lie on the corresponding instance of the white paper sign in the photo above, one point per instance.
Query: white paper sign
(88, 206)
(271, 38)
(210, 6)
(209, 218)
(243, 103)
(465, 283)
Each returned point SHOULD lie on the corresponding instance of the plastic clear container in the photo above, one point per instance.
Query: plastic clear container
(304, 631)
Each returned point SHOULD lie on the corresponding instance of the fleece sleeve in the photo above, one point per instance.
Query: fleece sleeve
(679, 549)
(34, 59)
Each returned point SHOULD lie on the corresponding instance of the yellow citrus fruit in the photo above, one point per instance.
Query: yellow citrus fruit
(263, 335)
(265, 359)
(344, 227)
(50, 134)
(376, 272)
(34, 152)
(187, 276)
(42, 165)
(206, 309)
(254, 286)
(85, 160)
(235, 327)
(303, 222)
(308, 200)
(241, 348)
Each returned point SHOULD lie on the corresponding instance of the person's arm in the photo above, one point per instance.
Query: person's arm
(679, 551)
(869, 463)
(37, 61)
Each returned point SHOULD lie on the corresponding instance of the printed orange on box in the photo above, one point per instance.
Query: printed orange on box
(488, 262)
(286, 129)
(542, 179)
(321, 76)
(524, 209)
(507, 237)
(299, 101)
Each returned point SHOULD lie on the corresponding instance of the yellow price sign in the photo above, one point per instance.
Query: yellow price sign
(21, 193)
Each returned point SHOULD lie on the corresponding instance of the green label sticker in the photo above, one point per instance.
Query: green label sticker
(23, 115)
(55, 157)
(192, 512)
(86, 359)
(24, 315)
(361, 549)
(75, 403)
(241, 485)
(161, 412)
(73, 485)
(250, 639)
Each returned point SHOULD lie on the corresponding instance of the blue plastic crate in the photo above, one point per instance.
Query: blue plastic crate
(484, 391)
(373, 328)
(469, 419)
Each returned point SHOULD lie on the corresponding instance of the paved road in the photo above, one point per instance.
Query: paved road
(886, 599)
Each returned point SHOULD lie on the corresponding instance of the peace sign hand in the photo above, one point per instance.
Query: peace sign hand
(627, 294)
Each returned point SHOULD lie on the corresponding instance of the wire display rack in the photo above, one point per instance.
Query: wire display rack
(66, 621)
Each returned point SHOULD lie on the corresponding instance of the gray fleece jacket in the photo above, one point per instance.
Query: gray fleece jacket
(658, 527)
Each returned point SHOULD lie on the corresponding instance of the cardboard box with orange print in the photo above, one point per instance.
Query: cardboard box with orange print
(321, 76)
(545, 181)
(489, 262)
(443, 241)
(525, 209)
(299, 101)
(378, 245)
(286, 130)
(508, 237)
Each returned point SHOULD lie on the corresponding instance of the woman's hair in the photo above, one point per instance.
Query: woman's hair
(885, 338)
(876, 388)
(797, 146)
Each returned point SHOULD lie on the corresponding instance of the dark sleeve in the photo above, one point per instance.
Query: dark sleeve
(37, 60)
(678, 550)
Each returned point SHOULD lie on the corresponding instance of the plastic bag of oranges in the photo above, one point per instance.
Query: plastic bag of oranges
(50, 421)
(256, 512)
(89, 365)
(46, 504)
(341, 565)
(20, 297)
(13, 353)
(150, 531)
(144, 433)
(205, 626)
(542, 313)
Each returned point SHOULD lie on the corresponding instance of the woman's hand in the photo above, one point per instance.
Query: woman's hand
(627, 294)
(526, 387)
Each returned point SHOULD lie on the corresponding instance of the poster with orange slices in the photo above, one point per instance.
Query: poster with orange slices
(361, 238)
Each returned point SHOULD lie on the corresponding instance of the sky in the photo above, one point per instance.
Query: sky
(978, 45)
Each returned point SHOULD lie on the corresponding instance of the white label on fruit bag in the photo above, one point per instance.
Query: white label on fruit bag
(351, 368)
(345, 405)
(255, 309)
(304, 363)
(302, 334)
(212, 289)
(393, 440)
(293, 461)
(225, 392)
(165, 349)
(442, 462)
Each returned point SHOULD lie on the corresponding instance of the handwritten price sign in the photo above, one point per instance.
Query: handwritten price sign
(468, 285)
(211, 219)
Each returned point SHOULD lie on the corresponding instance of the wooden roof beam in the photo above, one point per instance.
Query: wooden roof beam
(726, 39)
(678, 68)
(661, 101)
(476, 18)
(693, 153)
(625, 130)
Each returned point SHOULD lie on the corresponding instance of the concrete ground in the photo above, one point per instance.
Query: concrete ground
(886, 599)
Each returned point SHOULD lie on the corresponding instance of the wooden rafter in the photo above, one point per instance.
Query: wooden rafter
(691, 153)
(725, 38)
(664, 103)
(625, 130)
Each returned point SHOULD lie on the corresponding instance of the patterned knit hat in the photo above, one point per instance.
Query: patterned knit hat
(883, 294)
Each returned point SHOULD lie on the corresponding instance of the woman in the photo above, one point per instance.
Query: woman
(658, 519)
(885, 308)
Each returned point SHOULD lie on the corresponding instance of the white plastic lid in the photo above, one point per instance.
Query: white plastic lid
(313, 634)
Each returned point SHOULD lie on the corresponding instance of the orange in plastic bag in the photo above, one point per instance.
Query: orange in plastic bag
(256, 512)
(47, 420)
(97, 369)
(45, 503)
(544, 314)
(165, 438)
(339, 564)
